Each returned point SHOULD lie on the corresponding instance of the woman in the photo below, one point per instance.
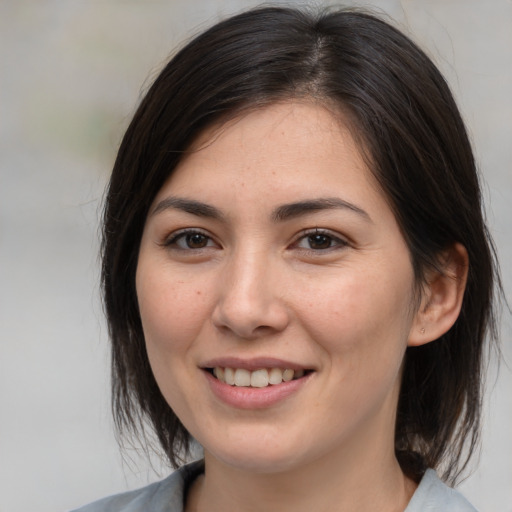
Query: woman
(297, 273)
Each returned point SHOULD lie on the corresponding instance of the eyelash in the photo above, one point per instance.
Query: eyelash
(186, 234)
(334, 242)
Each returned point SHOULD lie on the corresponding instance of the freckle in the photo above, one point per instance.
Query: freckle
(198, 292)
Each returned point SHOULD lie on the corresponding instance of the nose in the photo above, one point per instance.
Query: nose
(250, 302)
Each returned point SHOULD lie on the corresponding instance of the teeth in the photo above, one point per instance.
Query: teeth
(259, 379)
(241, 377)
(229, 376)
(287, 375)
(275, 376)
(298, 374)
(219, 373)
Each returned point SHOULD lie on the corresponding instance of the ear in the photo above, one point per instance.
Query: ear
(442, 296)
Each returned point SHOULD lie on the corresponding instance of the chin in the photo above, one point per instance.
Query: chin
(259, 457)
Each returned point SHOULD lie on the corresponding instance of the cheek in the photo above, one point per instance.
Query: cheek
(172, 313)
(171, 310)
(360, 314)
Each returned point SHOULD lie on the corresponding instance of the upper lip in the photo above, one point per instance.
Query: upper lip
(253, 364)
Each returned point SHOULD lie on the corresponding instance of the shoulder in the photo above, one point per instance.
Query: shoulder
(166, 495)
(432, 495)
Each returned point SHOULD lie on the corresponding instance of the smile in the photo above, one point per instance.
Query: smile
(260, 378)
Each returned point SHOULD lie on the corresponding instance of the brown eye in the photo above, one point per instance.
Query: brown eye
(196, 240)
(189, 240)
(319, 241)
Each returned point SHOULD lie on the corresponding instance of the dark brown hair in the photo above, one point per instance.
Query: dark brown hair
(402, 111)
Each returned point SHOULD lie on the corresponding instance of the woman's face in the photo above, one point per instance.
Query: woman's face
(271, 254)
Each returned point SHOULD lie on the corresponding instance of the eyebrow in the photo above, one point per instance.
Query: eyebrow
(280, 214)
(189, 206)
(293, 210)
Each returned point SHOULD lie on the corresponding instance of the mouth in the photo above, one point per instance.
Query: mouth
(260, 378)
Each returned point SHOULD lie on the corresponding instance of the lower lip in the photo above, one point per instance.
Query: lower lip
(254, 398)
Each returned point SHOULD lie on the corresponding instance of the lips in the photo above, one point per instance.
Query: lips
(256, 383)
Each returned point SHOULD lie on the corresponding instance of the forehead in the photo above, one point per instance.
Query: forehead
(286, 122)
(291, 143)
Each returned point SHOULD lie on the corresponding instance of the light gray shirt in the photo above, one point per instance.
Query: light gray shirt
(432, 495)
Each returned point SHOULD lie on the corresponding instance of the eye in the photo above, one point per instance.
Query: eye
(189, 240)
(320, 241)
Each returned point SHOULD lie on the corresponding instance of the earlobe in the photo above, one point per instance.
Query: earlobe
(442, 297)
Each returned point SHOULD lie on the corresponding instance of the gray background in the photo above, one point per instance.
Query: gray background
(71, 74)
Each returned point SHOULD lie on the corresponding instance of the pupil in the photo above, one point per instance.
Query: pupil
(319, 241)
(196, 241)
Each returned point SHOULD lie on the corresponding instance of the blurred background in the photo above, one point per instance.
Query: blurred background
(71, 75)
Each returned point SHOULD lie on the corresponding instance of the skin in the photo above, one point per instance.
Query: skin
(330, 290)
